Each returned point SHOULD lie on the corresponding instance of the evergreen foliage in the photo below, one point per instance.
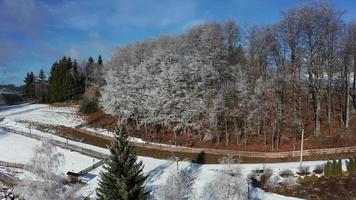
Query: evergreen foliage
(122, 176)
(100, 60)
(89, 106)
(29, 88)
(351, 167)
(327, 169)
(65, 82)
(334, 168)
(339, 169)
(41, 93)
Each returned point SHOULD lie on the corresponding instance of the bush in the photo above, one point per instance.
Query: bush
(273, 183)
(200, 159)
(267, 173)
(89, 106)
(289, 182)
(303, 171)
(310, 179)
(286, 173)
(319, 169)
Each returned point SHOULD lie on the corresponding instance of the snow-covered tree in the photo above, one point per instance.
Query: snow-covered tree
(179, 184)
(227, 184)
(44, 179)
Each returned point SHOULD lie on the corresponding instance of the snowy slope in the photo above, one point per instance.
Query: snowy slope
(19, 149)
(16, 148)
(44, 114)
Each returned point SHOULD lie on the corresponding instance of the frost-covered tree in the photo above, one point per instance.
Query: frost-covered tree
(44, 179)
(122, 176)
(168, 80)
(226, 185)
(179, 184)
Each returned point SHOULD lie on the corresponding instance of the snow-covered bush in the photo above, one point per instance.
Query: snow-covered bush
(178, 185)
(303, 170)
(286, 173)
(43, 178)
(273, 182)
(289, 182)
(225, 186)
(319, 169)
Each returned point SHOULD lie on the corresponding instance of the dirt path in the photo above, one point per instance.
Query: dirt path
(212, 155)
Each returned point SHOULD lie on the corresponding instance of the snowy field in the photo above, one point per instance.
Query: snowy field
(157, 170)
(43, 114)
(16, 148)
(19, 149)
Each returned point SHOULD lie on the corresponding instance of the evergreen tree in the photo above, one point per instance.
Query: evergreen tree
(100, 60)
(42, 75)
(122, 176)
(327, 169)
(78, 79)
(29, 88)
(334, 168)
(42, 84)
(350, 165)
(339, 169)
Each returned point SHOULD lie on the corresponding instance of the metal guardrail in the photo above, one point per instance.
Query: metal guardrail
(72, 147)
(8, 179)
(91, 168)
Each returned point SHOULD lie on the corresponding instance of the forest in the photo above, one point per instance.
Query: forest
(229, 84)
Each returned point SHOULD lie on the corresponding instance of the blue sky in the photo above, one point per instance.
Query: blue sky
(35, 33)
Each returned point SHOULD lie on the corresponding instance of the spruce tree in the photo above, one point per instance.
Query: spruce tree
(122, 177)
(339, 169)
(100, 60)
(327, 169)
(334, 168)
(29, 88)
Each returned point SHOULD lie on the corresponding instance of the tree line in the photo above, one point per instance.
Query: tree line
(67, 80)
(219, 81)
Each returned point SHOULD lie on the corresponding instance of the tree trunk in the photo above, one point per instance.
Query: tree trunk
(354, 85)
(317, 115)
(236, 133)
(227, 136)
(329, 103)
(346, 126)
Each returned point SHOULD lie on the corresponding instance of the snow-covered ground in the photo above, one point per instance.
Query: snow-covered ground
(16, 148)
(19, 149)
(44, 114)
(131, 139)
(157, 170)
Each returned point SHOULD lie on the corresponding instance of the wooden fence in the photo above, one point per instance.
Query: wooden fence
(11, 164)
(250, 154)
(222, 152)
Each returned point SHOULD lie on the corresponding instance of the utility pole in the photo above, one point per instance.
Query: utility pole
(301, 148)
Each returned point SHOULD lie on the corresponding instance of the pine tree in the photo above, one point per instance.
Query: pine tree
(327, 169)
(29, 88)
(339, 169)
(42, 75)
(122, 176)
(100, 60)
(334, 168)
